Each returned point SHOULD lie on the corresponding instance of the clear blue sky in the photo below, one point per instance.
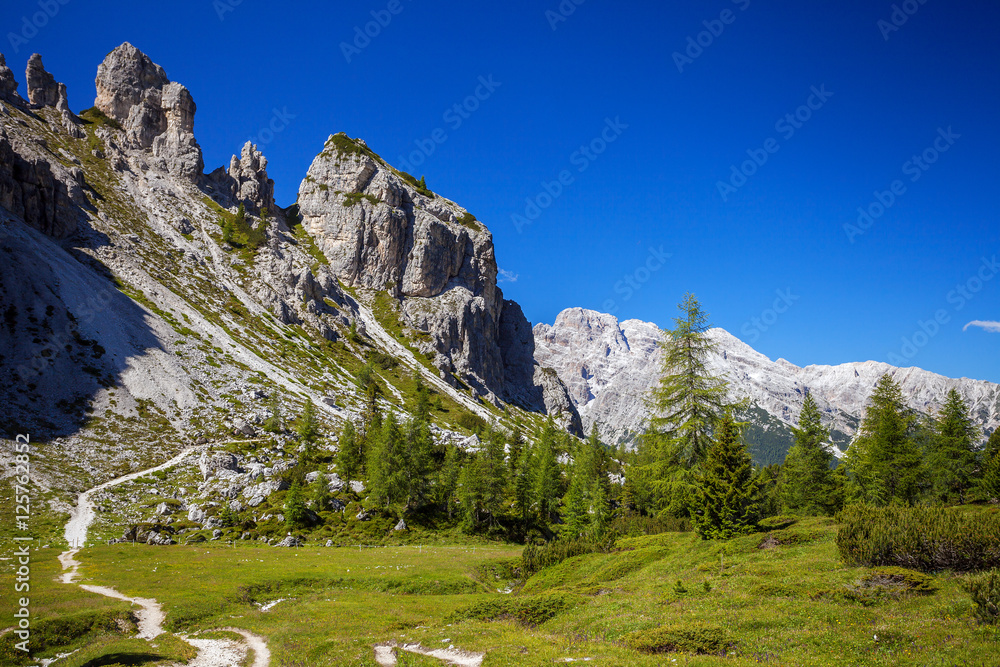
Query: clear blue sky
(656, 184)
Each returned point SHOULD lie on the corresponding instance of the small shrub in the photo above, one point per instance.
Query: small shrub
(677, 638)
(776, 523)
(985, 592)
(899, 578)
(529, 610)
(472, 422)
(920, 538)
(535, 558)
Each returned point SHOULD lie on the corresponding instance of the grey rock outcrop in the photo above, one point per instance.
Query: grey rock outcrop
(382, 231)
(154, 112)
(211, 463)
(43, 90)
(46, 194)
(289, 542)
(8, 84)
(251, 185)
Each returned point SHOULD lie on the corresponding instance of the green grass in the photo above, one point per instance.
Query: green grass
(756, 605)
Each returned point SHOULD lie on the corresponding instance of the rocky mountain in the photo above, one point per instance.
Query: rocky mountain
(136, 321)
(607, 365)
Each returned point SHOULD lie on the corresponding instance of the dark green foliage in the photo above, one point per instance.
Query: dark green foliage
(529, 610)
(990, 483)
(468, 220)
(635, 525)
(382, 360)
(776, 523)
(351, 454)
(686, 406)
(952, 456)
(807, 485)
(984, 589)
(95, 116)
(472, 422)
(447, 487)
(547, 476)
(535, 558)
(63, 630)
(386, 465)
(884, 461)
(694, 638)
(306, 426)
(227, 517)
(238, 229)
(482, 482)
(727, 501)
(352, 198)
(320, 492)
(927, 539)
(296, 512)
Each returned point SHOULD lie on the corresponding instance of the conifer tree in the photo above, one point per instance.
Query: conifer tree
(547, 476)
(295, 506)
(306, 426)
(351, 454)
(602, 511)
(417, 461)
(522, 485)
(387, 475)
(274, 423)
(727, 497)
(806, 480)
(448, 479)
(321, 492)
(990, 483)
(992, 444)
(685, 408)
(576, 518)
(952, 458)
(884, 461)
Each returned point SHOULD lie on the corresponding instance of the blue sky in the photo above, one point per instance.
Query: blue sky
(769, 256)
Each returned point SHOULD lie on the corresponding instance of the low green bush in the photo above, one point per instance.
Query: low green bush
(920, 538)
(65, 630)
(529, 610)
(985, 592)
(899, 578)
(535, 558)
(680, 638)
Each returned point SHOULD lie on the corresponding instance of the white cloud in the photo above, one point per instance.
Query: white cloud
(992, 327)
(506, 277)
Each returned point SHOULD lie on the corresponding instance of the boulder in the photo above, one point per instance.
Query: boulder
(289, 542)
(196, 514)
(163, 509)
(401, 525)
(211, 463)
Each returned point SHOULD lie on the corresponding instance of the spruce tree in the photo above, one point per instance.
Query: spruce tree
(448, 479)
(727, 496)
(350, 455)
(295, 506)
(522, 486)
(601, 519)
(806, 480)
(990, 483)
(417, 461)
(547, 476)
(472, 491)
(884, 461)
(274, 423)
(387, 474)
(952, 459)
(685, 408)
(576, 518)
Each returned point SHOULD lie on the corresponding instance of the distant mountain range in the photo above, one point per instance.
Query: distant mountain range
(608, 366)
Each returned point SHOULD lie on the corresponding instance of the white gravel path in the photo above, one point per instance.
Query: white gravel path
(211, 652)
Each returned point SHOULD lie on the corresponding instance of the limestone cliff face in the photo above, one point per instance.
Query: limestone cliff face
(381, 230)
(154, 112)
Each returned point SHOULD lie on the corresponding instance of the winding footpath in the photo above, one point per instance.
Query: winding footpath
(211, 652)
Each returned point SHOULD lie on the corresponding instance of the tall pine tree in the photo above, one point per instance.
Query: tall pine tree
(351, 454)
(547, 475)
(884, 461)
(806, 480)
(727, 497)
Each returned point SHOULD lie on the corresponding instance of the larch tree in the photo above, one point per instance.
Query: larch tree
(685, 407)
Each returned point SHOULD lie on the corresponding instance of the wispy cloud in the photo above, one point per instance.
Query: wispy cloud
(506, 277)
(992, 327)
